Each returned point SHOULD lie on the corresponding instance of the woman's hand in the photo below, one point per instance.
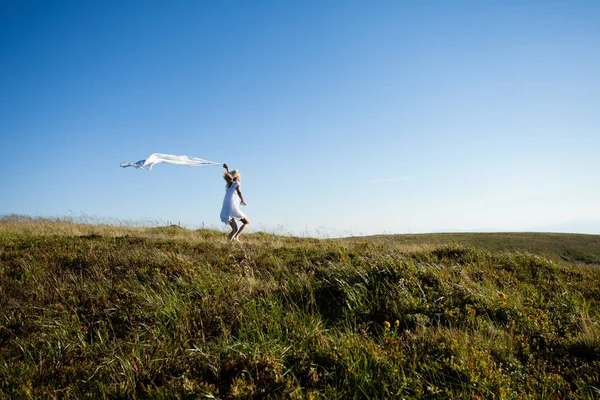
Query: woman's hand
(243, 203)
(226, 167)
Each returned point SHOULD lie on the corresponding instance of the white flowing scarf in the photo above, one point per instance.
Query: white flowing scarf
(158, 158)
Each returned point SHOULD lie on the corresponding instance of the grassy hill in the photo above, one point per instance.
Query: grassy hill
(121, 312)
(560, 247)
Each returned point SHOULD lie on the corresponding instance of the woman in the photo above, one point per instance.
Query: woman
(231, 204)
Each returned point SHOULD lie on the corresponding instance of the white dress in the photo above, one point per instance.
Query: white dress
(231, 204)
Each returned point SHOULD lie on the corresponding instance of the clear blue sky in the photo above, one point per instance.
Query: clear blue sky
(344, 117)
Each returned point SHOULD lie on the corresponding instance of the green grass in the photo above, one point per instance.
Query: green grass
(559, 247)
(113, 311)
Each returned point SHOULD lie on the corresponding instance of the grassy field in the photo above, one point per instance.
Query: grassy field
(106, 311)
(558, 247)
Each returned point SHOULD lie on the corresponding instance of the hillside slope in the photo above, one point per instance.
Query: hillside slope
(93, 311)
(560, 247)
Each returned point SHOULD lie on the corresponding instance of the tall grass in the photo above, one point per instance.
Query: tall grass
(105, 311)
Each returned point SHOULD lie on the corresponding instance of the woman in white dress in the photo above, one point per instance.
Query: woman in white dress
(230, 212)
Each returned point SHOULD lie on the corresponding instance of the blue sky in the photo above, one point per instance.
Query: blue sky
(344, 117)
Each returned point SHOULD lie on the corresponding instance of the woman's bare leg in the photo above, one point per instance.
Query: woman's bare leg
(234, 230)
(245, 222)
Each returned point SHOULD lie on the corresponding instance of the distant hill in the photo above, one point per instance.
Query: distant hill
(559, 247)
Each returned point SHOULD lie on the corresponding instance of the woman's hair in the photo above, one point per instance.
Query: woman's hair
(230, 176)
